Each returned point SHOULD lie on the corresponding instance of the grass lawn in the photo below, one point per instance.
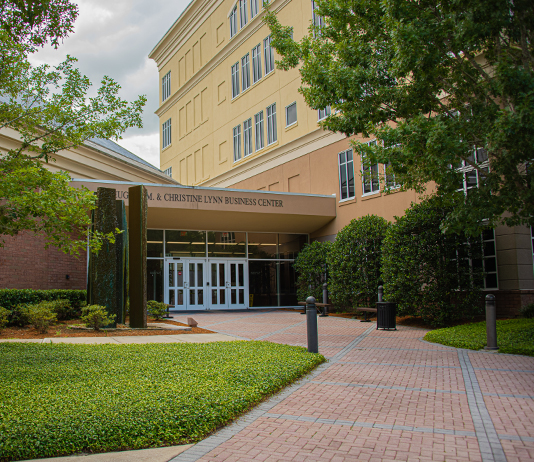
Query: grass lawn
(513, 336)
(58, 399)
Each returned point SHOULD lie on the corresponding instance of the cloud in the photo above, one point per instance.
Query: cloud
(114, 38)
(144, 146)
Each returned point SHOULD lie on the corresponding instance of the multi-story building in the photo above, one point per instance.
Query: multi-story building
(230, 119)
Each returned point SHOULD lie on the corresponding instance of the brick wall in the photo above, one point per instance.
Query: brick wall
(26, 264)
(509, 302)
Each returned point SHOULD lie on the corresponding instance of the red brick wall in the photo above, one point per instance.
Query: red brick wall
(26, 264)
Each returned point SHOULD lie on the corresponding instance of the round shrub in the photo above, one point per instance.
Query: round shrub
(527, 311)
(156, 309)
(354, 262)
(19, 316)
(310, 266)
(96, 316)
(4, 314)
(428, 273)
(42, 316)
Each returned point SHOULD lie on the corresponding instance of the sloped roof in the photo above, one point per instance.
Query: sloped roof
(112, 146)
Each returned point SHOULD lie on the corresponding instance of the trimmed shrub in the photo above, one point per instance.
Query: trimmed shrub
(527, 311)
(428, 273)
(42, 315)
(157, 309)
(354, 262)
(63, 309)
(310, 266)
(96, 316)
(19, 316)
(3, 317)
(10, 298)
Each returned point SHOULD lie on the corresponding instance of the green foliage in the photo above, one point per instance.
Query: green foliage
(3, 317)
(310, 266)
(9, 298)
(19, 315)
(426, 271)
(65, 399)
(515, 336)
(96, 316)
(42, 316)
(385, 66)
(156, 309)
(64, 310)
(354, 262)
(527, 311)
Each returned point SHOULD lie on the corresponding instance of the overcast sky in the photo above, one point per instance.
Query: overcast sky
(114, 38)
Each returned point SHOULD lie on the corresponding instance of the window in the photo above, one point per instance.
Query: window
(268, 53)
(168, 172)
(247, 136)
(389, 177)
(253, 8)
(346, 174)
(166, 86)
(472, 177)
(235, 80)
(291, 114)
(318, 21)
(166, 135)
(258, 124)
(256, 63)
(243, 13)
(233, 22)
(271, 124)
(489, 253)
(245, 72)
(324, 113)
(237, 143)
(370, 181)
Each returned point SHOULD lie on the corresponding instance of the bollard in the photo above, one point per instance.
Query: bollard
(311, 324)
(325, 301)
(491, 323)
(380, 293)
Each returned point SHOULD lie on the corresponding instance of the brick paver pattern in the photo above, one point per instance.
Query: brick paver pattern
(382, 396)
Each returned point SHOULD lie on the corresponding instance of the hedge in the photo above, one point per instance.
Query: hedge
(10, 298)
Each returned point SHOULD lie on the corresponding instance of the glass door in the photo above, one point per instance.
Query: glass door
(175, 282)
(195, 285)
(236, 285)
(218, 297)
(185, 284)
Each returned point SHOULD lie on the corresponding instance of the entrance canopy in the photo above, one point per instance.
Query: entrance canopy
(191, 207)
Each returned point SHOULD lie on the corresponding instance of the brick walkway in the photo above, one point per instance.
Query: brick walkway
(382, 396)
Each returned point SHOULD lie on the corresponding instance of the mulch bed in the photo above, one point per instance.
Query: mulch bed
(61, 329)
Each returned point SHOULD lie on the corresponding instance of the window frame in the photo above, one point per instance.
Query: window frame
(327, 111)
(259, 129)
(243, 14)
(373, 172)
(168, 171)
(245, 72)
(272, 134)
(236, 131)
(233, 21)
(256, 64)
(294, 103)
(345, 167)
(166, 134)
(254, 6)
(247, 137)
(269, 60)
(166, 86)
(235, 80)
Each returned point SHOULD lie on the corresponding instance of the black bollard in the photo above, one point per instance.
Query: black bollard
(491, 323)
(311, 323)
(325, 301)
(380, 293)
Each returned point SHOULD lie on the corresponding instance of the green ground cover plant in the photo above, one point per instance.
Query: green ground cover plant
(59, 399)
(513, 336)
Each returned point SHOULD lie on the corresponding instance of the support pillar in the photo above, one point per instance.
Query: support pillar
(137, 205)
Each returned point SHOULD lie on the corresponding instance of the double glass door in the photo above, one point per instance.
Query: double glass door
(200, 284)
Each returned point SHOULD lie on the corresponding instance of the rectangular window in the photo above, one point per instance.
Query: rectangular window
(346, 174)
(245, 72)
(271, 124)
(247, 136)
(235, 80)
(256, 63)
(166, 86)
(268, 53)
(389, 176)
(318, 21)
(168, 171)
(370, 181)
(258, 124)
(237, 143)
(291, 114)
(243, 13)
(490, 259)
(233, 22)
(253, 8)
(324, 113)
(166, 133)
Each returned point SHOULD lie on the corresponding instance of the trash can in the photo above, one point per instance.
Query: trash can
(386, 313)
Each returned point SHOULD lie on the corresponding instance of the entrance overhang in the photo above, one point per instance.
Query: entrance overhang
(193, 208)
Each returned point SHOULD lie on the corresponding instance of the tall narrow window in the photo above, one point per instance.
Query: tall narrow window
(389, 176)
(168, 172)
(166, 86)
(247, 137)
(166, 133)
(291, 114)
(245, 72)
(256, 63)
(235, 80)
(271, 124)
(253, 8)
(268, 53)
(258, 124)
(370, 180)
(243, 12)
(318, 21)
(346, 174)
(489, 252)
(237, 143)
(233, 22)
(324, 113)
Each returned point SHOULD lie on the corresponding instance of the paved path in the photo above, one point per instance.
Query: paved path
(382, 396)
(122, 339)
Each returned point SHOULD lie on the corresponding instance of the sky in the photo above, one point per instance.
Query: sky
(114, 38)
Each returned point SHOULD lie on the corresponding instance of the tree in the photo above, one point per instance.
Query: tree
(311, 266)
(431, 274)
(354, 262)
(441, 85)
(51, 110)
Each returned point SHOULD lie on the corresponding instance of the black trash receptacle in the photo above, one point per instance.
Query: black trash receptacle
(386, 315)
